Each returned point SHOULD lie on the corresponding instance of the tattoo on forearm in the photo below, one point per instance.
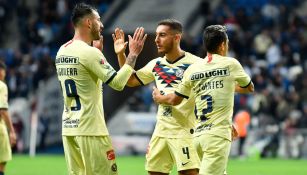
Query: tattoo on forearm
(131, 59)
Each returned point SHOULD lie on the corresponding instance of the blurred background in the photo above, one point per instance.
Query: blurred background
(268, 37)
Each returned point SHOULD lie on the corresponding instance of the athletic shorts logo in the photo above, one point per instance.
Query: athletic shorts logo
(111, 155)
(114, 167)
(183, 164)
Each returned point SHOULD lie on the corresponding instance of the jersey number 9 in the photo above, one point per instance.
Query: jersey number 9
(71, 91)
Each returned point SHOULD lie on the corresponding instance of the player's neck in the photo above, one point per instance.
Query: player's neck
(79, 35)
(174, 55)
(218, 53)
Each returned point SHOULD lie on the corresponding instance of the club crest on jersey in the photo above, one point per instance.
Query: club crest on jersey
(179, 73)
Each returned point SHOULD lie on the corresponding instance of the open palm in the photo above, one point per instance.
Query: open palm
(119, 41)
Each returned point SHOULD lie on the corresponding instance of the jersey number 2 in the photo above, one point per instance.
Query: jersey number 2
(209, 108)
(71, 91)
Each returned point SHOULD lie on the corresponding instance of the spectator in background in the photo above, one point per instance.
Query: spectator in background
(242, 121)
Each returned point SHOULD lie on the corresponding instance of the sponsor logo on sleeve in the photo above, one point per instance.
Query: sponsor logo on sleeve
(101, 61)
(111, 155)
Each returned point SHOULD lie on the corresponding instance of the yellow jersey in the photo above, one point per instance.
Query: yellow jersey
(82, 70)
(172, 121)
(3, 103)
(212, 81)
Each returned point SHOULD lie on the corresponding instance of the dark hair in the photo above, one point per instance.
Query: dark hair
(2, 65)
(213, 37)
(81, 10)
(173, 24)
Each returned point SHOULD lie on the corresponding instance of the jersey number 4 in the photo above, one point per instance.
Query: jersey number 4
(71, 91)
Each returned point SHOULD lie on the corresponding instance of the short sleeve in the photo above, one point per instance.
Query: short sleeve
(3, 96)
(240, 76)
(145, 74)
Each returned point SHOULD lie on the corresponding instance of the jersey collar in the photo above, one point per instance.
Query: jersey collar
(179, 58)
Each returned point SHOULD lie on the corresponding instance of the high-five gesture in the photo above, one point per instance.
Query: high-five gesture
(119, 41)
(136, 42)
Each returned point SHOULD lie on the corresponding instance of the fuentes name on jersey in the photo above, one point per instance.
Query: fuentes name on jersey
(208, 79)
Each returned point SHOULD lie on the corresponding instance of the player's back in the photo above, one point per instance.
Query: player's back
(213, 80)
(81, 88)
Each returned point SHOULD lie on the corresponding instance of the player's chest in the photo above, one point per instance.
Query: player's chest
(169, 75)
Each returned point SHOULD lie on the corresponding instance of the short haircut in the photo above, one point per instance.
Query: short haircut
(2, 65)
(81, 10)
(213, 37)
(174, 24)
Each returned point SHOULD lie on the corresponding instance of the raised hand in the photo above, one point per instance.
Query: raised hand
(119, 41)
(136, 42)
(98, 43)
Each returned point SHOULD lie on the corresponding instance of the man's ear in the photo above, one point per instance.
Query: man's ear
(178, 37)
(223, 46)
(88, 22)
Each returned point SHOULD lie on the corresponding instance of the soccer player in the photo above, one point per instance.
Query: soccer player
(7, 132)
(213, 82)
(81, 70)
(171, 142)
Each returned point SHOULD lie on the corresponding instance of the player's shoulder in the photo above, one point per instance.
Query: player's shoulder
(192, 56)
(157, 59)
(87, 48)
(3, 85)
(229, 59)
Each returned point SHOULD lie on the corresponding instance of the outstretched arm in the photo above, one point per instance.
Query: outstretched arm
(169, 99)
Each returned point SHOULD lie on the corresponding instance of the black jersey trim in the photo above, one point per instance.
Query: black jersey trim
(111, 78)
(181, 95)
(179, 58)
(246, 85)
(136, 76)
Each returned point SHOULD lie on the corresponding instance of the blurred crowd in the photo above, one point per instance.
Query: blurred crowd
(42, 29)
(269, 38)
